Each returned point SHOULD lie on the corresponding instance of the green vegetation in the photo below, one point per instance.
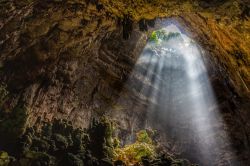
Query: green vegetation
(132, 154)
(162, 35)
(143, 152)
(4, 158)
(143, 136)
(154, 37)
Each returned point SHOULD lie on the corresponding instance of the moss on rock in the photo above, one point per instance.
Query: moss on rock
(4, 158)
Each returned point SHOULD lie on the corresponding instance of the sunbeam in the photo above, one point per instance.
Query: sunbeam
(171, 76)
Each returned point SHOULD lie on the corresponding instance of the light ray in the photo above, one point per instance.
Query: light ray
(181, 103)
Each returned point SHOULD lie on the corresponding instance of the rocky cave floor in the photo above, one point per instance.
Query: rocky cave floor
(58, 143)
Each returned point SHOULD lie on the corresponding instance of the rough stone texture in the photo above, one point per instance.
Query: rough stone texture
(68, 59)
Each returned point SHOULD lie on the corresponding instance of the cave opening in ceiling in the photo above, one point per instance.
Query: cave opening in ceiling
(180, 98)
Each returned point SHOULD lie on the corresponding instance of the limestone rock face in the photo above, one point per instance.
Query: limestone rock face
(71, 59)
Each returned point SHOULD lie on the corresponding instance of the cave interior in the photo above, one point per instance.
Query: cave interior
(124, 83)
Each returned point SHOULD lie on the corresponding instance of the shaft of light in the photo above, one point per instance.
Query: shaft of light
(183, 106)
